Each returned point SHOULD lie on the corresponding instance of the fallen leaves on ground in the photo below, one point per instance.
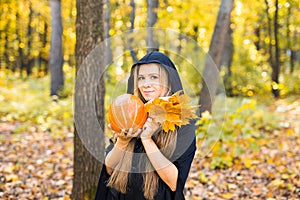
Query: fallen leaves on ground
(272, 172)
(35, 165)
(38, 165)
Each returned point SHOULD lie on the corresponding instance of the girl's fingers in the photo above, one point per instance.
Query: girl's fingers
(124, 132)
(138, 131)
(130, 131)
(122, 135)
(151, 123)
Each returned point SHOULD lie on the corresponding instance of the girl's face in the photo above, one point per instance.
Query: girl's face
(149, 81)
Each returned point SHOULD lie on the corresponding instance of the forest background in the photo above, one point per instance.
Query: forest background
(252, 157)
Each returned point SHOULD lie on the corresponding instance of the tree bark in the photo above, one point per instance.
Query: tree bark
(180, 37)
(270, 48)
(276, 66)
(56, 54)
(107, 35)
(28, 61)
(132, 17)
(43, 58)
(89, 98)
(152, 6)
(210, 75)
(227, 60)
(257, 34)
(20, 48)
(291, 53)
(6, 46)
(274, 60)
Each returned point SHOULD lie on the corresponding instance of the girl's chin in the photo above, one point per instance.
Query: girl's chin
(148, 98)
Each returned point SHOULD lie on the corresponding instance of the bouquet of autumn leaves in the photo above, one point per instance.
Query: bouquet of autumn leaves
(128, 111)
(171, 111)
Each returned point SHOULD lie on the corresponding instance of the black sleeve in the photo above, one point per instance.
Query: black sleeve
(104, 176)
(184, 155)
(183, 165)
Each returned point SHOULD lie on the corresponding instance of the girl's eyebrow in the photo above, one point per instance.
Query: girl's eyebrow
(148, 74)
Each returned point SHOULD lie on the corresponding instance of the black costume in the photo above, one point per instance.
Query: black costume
(181, 158)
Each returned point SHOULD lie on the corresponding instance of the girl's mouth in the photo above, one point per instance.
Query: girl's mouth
(148, 92)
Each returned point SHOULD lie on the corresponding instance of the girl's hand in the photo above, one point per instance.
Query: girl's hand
(125, 135)
(149, 128)
(128, 134)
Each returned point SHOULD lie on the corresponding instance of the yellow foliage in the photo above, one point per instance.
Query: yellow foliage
(67, 197)
(278, 183)
(227, 195)
(202, 177)
(259, 114)
(247, 162)
(206, 115)
(171, 111)
(12, 177)
(248, 105)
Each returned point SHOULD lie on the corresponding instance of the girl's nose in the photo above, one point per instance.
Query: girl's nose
(147, 84)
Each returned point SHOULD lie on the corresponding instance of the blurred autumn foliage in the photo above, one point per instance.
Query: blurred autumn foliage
(25, 38)
(255, 156)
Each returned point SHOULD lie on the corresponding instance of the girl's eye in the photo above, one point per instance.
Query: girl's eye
(140, 78)
(154, 77)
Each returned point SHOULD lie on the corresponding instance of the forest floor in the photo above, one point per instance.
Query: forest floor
(38, 165)
(272, 172)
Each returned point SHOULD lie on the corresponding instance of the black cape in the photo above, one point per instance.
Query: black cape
(182, 156)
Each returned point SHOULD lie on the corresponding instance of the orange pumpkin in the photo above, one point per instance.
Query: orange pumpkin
(127, 111)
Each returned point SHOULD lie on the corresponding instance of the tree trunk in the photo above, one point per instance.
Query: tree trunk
(213, 59)
(20, 47)
(294, 52)
(6, 46)
(152, 6)
(274, 60)
(257, 34)
(89, 98)
(180, 37)
(227, 60)
(276, 66)
(56, 54)
(40, 59)
(29, 33)
(132, 17)
(107, 35)
(269, 25)
(289, 39)
(43, 70)
(292, 59)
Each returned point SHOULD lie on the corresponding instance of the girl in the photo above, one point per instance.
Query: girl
(149, 163)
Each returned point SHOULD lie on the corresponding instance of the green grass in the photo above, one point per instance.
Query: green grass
(28, 102)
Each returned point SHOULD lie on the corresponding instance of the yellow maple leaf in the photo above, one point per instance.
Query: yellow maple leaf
(171, 111)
